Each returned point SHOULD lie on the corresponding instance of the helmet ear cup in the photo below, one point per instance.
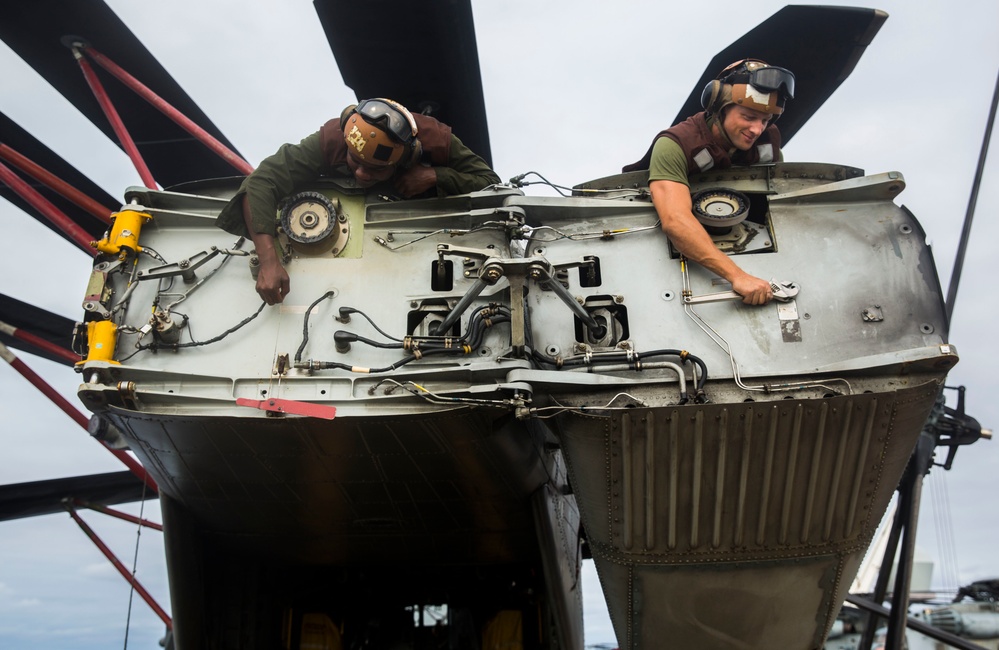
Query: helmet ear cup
(710, 94)
(346, 113)
(414, 154)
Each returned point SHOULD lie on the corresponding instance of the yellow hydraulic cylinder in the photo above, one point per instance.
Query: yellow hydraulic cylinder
(102, 336)
(124, 236)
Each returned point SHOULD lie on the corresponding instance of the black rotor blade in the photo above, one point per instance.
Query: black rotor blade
(969, 214)
(820, 45)
(34, 31)
(25, 144)
(19, 500)
(44, 324)
(421, 54)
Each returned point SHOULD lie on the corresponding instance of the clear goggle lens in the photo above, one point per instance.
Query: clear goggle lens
(386, 116)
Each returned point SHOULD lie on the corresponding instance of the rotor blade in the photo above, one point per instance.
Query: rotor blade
(22, 142)
(421, 54)
(34, 31)
(955, 276)
(19, 500)
(820, 45)
(44, 324)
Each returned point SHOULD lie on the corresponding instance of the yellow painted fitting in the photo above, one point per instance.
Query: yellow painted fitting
(124, 236)
(102, 336)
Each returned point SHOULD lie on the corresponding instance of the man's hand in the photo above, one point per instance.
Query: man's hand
(754, 290)
(273, 283)
(415, 180)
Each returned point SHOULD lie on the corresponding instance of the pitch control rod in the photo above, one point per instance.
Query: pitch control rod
(160, 104)
(112, 114)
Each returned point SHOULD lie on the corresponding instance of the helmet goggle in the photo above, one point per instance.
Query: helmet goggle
(762, 76)
(390, 116)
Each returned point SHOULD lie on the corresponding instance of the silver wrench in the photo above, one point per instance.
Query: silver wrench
(784, 291)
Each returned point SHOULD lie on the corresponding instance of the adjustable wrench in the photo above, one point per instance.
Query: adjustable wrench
(784, 291)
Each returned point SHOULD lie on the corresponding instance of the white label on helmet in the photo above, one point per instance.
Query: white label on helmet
(761, 98)
(356, 139)
(766, 152)
(704, 160)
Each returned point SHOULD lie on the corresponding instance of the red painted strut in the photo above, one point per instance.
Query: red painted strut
(38, 342)
(164, 107)
(79, 236)
(73, 412)
(53, 182)
(119, 127)
(121, 568)
(118, 514)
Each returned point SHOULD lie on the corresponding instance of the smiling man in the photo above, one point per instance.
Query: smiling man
(734, 129)
(377, 141)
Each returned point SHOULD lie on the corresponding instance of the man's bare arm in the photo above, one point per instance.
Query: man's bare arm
(672, 202)
(273, 283)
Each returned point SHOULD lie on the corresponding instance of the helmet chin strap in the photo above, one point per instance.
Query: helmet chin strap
(718, 119)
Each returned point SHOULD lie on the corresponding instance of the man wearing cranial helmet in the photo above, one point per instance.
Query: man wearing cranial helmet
(377, 141)
(735, 128)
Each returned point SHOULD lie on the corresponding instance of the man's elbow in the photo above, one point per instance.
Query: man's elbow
(669, 221)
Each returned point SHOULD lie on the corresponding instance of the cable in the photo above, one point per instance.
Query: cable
(194, 344)
(518, 181)
(305, 323)
(135, 563)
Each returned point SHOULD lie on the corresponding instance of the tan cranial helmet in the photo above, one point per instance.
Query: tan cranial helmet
(750, 83)
(379, 132)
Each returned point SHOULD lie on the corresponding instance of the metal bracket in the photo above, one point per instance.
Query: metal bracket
(184, 268)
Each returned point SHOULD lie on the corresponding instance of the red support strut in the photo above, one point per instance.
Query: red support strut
(74, 413)
(79, 236)
(164, 107)
(39, 342)
(55, 183)
(117, 514)
(119, 127)
(121, 568)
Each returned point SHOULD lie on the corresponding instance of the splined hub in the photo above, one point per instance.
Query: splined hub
(308, 218)
(719, 208)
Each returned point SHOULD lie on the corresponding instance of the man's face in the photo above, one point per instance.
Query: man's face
(368, 175)
(744, 126)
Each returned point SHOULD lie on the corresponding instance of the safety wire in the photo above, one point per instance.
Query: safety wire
(724, 345)
(135, 563)
(518, 181)
(453, 232)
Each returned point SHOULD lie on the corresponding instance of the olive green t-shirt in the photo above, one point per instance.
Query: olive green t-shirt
(668, 163)
(295, 165)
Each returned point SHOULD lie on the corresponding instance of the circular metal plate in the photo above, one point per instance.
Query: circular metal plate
(719, 208)
(308, 218)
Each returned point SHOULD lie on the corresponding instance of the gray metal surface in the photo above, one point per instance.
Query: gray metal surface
(766, 507)
(729, 461)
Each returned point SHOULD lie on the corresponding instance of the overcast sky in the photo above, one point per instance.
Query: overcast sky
(573, 89)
